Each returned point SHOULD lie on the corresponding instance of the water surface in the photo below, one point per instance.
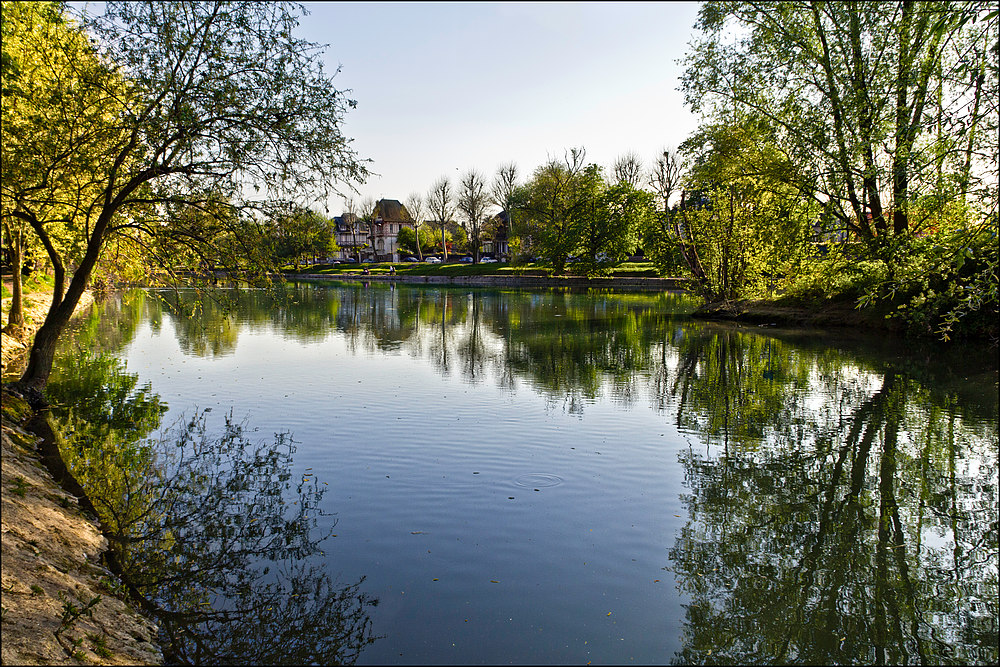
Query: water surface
(555, 477)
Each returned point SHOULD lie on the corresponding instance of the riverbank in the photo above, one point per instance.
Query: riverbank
(776, 313)
(60, 604)
(625, 283)
(51, 550)
(14, 346)
(827, 314)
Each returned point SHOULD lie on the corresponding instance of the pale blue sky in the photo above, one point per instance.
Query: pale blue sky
(444, 87)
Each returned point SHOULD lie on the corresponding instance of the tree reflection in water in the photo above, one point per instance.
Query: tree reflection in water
(842, 495)
(209, 530)
(865, 533)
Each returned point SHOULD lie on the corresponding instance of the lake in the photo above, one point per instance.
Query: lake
(391, 474)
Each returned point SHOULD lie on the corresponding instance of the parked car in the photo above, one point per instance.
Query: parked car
(488, 260)
(465, 260)
(349, 260)
(433, 260)
(410, 259)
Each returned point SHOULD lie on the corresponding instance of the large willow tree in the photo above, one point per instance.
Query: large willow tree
(160, 106)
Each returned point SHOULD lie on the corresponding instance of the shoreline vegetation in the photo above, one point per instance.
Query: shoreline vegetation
(635, 276)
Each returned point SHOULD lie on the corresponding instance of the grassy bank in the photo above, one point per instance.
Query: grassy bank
(455, 269)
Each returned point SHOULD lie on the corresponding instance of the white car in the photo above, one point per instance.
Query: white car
(433, 260)
(487, 260)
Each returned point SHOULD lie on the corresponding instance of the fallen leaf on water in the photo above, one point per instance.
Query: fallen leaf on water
(494, 581)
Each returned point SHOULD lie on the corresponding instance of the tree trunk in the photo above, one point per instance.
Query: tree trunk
(43, 348)
(15, 319)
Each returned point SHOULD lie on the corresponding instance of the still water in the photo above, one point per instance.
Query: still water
(390, 474)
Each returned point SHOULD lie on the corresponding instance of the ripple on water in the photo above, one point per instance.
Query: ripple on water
(538, 480)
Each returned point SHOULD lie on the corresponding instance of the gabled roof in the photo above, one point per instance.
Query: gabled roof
(391, 210)
(343, 222)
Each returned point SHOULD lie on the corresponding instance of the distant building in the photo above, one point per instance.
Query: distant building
(388, 218)
(494, 235)
(351, 235)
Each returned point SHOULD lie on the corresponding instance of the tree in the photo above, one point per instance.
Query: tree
(45, 57)
(560, 193)
(299, 231)
(850, 87)
(353, 220)
(610, 231)
(194, 99)
(505, 195)
(415, 205)
(740, 224)
(440, 201)
(472, 202)
(367, 220)
(665, 178)
(659, 241)
(628, 169)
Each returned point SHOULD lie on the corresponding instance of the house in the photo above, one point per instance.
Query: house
(387, 219)
(495, 234)
(351, 235)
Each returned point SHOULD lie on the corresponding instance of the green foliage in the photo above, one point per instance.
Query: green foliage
(429, 240)
(886, 102)
(72, 613)
(944, 283)
(742, 225)
(567, 209)
(163, 149)
(609, 231)
(838, 276)
(296, 232)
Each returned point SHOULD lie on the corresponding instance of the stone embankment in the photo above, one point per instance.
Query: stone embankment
(627, 283)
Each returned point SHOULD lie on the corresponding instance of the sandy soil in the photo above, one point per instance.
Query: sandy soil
(51, 559)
